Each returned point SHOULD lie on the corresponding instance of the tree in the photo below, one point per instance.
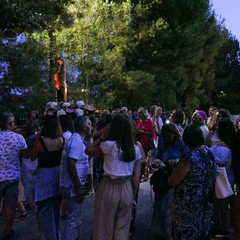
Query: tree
(35, 20)
(182, 39)
(117, 53)
(103, 62)
(30, 16)
(225, 94)
(24, 77)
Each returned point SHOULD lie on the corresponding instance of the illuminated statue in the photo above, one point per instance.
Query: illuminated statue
(60, 81)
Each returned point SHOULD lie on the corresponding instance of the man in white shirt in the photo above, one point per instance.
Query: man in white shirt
(73, 176)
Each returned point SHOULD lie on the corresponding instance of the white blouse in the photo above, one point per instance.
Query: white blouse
(223, 155)
(112, 165)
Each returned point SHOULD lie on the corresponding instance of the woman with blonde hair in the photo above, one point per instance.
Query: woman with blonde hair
(145, 133)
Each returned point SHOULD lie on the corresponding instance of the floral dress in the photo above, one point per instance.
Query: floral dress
(193, 197)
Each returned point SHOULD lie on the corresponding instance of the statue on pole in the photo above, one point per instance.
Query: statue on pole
(60, 81)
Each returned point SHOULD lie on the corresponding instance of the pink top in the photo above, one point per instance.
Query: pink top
(146, 126)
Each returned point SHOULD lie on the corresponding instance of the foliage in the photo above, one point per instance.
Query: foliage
(171, 53)
(101, 38)
(30, 16)
(226, 94)
(25, 75)
(183, 40)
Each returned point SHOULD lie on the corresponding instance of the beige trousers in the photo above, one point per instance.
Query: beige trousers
(112, 209)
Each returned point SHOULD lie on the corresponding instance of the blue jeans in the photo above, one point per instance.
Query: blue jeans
(72, 230)
(48, 217)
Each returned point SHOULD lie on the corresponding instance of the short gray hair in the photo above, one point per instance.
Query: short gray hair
(5, 118)
(80, 122)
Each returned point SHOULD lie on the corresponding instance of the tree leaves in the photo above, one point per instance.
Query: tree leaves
(167, 52)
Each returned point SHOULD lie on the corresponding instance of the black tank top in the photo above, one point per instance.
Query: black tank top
(48, 159)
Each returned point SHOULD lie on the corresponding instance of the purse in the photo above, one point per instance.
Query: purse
(223, 188)
(152, 144)
(159, 180)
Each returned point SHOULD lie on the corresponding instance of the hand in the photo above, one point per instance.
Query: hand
(210, 133)
(173, 161)
(106, 132)
(80, 194)
(209, 139)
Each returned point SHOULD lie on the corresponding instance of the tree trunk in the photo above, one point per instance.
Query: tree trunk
(53, 62)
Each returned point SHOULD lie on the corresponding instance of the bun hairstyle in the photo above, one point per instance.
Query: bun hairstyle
(193, 136)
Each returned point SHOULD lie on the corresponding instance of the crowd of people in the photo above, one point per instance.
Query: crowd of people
(52, 159)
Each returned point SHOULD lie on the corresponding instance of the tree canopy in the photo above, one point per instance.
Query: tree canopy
(173, 53)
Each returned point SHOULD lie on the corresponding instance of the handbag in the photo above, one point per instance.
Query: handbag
(223, 188)
(152, 144)
(159, 180)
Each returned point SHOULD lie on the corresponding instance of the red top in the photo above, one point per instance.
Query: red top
(148, 127)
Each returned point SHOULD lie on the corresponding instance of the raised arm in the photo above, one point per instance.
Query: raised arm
(35, 150)
(94, 148)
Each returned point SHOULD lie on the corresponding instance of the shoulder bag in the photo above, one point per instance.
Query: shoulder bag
(223, 188)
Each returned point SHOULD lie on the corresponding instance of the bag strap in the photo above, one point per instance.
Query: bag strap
(43, 144)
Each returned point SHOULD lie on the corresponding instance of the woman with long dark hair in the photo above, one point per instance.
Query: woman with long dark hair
(235, 214)
(223, 152)
(226, 133)
(170, 150)
(114, 198)
(48, 149)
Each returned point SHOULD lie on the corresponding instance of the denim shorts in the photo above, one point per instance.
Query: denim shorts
(9, 193)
